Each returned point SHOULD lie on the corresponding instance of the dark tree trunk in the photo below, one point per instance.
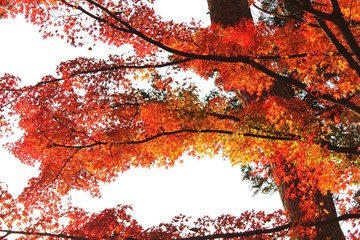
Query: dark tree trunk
(229, 13)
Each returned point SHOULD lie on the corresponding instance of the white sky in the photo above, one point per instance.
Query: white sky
(196, 188)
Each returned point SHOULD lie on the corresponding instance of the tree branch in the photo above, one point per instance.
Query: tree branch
(316, 94)
(213, 236)
(117, 67)
(161, 65)
(335, 17)
(65, 163)
(323, 142)
(342, 50)
(44, 234)
(340, 149)
(275, 229)
(229, 59)
(78, 146)
(217, 131)
(338, 19)
(223, 116)
(284, 137)
(276, 14)
(306, 6)
(244, 59)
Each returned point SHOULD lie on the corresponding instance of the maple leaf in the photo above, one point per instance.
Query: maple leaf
(337, 96)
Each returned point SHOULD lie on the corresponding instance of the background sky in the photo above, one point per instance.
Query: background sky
(195, 188)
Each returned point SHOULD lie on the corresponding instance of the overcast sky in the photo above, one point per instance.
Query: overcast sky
(196, 188)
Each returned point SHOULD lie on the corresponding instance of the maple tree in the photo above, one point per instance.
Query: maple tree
(286, 106)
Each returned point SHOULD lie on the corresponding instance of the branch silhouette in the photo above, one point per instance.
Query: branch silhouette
(275, 229)
(207, 237)
(251, 61)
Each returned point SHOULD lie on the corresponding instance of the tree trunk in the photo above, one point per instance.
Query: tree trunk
(316, 202)
(229, 13)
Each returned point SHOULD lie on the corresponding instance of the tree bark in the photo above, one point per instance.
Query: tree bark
(321, 204)
(229, 13)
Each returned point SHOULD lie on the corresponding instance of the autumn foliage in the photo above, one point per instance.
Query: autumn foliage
(89, 122)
